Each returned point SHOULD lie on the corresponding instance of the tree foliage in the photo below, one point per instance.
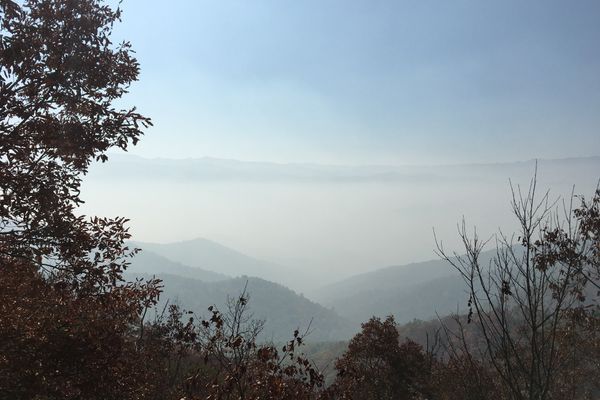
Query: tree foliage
(60, 75)
(67, 318)
(377, 366)
(220, 357)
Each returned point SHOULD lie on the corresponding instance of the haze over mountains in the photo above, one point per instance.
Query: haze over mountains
(148, 262)
(216, 169)
(196, 289)
(349, 242)
(211, 256)
(334, 312)
(282, 309)
(317, 224)
(414, 291)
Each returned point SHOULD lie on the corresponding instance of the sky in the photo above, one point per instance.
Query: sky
(350, 83)
(366, 82)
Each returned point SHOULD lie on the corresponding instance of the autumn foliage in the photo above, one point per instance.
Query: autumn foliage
(222, 358)
(67, 318)
(377, 366)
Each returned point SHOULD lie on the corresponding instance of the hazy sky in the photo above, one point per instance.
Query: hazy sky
(349, 82)
(327, 222)
(367, 81)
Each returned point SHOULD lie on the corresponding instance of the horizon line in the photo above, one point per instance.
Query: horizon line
(347, 165)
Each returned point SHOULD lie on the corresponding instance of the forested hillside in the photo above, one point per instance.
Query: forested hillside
(282, 310)
(414, 291)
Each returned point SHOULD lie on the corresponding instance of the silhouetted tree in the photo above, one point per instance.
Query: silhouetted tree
(69, 324)
(219, 357)
(377, 366)
(529, 301)
(60, 75)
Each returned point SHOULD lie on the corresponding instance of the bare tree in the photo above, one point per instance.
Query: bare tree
(522, 298)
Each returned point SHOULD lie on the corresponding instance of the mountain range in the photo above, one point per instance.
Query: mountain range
(319, 234)
(421, 290)
(195, 289)
(334, 312)
(150, 263)
(206, 255)
(314, 224)
(126, 167)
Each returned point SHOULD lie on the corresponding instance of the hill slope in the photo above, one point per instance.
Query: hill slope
(212, 256)
(281, 308)
(419, 290)
(148, 262)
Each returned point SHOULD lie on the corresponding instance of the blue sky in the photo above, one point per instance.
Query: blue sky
(367, 82)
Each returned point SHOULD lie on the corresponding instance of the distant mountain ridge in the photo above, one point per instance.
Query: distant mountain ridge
(216, 169)
(212, 256)
(148, 262)
(196, 289)
(412, 291)
(386, 278)
(209, 255)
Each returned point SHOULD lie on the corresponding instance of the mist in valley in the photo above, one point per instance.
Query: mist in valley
(317, 224)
